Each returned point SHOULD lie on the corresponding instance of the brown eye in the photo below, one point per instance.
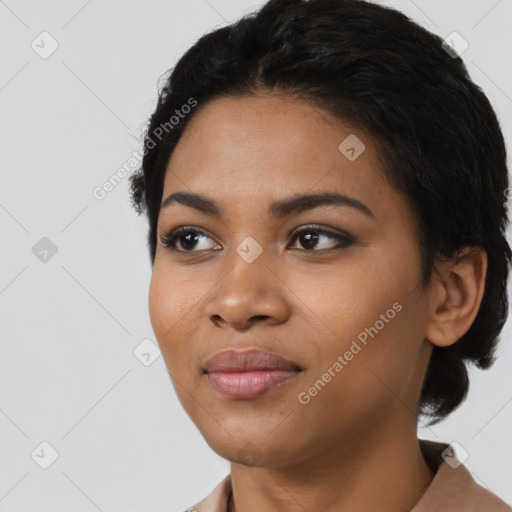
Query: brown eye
(310, 238)
(188, 238)
(313, 237)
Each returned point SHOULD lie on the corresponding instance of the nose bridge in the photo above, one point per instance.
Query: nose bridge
(248, 278)
(249, 253)
(249, 289)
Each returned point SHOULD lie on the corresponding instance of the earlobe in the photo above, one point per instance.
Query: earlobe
(456, 295)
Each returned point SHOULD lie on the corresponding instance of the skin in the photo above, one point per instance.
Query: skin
(305, 303)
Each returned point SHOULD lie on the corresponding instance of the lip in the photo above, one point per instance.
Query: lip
(247, 360)
(246, 374)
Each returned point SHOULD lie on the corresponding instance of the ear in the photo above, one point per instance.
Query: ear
(455, 296)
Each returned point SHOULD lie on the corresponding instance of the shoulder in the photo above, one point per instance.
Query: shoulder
(453, 488)
(217, 500)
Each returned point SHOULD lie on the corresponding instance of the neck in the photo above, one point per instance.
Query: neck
(387, 469)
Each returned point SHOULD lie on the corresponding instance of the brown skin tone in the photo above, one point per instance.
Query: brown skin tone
(305, 302)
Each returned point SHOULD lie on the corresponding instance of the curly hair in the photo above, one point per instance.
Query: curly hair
(436, 133)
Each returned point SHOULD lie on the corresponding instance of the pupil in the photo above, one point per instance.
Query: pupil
(310, 239)
(187, 238)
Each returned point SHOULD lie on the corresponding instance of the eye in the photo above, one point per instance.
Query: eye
(311, 235)
(187, 237)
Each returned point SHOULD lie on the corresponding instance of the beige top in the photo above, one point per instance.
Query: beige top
(453, 488)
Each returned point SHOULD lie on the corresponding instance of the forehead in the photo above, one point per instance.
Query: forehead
(266, 147)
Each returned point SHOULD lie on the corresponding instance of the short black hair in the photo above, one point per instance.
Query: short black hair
(436, 133)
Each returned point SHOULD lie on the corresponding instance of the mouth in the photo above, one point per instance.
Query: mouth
(246, 374)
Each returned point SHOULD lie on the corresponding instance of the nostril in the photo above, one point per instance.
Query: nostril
(216, 319)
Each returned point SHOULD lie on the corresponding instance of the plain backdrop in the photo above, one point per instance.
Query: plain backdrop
(87, 421)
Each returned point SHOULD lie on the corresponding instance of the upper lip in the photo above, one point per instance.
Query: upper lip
(232, 360)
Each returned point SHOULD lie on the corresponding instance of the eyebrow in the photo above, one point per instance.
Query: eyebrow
(281, 208)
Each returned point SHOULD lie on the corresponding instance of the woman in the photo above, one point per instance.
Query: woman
(325, 189)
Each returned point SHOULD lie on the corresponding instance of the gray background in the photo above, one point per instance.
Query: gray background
(71, 324)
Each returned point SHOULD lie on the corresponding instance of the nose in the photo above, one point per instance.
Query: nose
(249, 293)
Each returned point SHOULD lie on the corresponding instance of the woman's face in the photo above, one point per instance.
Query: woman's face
(342, 299)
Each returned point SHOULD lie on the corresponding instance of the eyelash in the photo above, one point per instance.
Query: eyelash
(169, 239)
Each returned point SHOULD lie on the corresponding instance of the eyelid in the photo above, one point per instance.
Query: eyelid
(319, 228)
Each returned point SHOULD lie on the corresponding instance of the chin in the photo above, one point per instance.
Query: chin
(250, 449)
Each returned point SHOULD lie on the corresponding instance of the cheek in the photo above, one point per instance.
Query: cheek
(174, 302)
(159, 311)
(170, 296)
(384, 357)
(350, 298)
(375, 317)
(168, 303)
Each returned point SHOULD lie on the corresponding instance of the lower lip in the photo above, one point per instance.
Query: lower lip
(245, 385)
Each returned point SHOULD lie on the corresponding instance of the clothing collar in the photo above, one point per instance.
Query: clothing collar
(452, 488)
